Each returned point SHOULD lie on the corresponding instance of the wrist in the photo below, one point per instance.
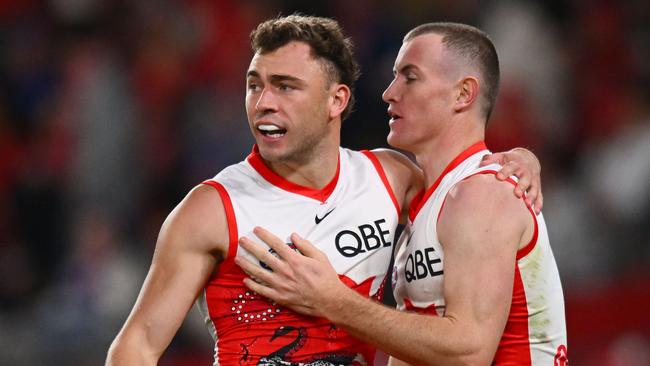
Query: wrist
(334, 306)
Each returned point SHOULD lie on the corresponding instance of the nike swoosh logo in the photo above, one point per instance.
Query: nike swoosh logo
(319, 219)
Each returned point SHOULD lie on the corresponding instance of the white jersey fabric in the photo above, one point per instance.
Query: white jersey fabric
(535, 333)
(353, 220)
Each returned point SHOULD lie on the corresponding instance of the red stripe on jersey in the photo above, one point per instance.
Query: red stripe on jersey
(230, 217)
(429, 310)
(382, 174)
(529, 247)
(421, 198)
(514, 347)
(256, 161)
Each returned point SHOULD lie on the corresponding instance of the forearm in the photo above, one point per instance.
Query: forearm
(414, 338)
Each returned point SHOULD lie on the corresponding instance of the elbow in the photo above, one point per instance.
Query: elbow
(471, 351)
(118, 353)
(123, 351)
(474, 359)
(113, 353)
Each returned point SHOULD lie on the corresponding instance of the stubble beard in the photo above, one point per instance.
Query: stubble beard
(304, 151)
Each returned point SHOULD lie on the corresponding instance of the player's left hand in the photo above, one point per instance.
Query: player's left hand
(523, 164)
(303, 282)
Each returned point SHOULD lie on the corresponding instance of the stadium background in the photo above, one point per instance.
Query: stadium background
(110, 111)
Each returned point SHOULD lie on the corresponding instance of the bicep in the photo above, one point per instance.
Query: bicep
(188, 247)
(478, 286)
(480, 231)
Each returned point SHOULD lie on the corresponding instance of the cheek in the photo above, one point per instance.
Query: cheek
(250, 100)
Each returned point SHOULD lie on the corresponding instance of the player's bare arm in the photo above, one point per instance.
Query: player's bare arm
(406, 180)
(405, 177)
(192, 240)
(478, 281)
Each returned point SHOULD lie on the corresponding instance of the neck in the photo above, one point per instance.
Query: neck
(437, 153)
(313, 169)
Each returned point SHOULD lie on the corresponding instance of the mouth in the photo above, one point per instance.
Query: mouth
(393, 116)
(271, 130)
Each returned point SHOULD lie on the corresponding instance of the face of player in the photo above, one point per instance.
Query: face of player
(288, 103)
(420, 97)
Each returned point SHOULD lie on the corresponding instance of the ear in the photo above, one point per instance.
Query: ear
(467, 93)
(339, 98)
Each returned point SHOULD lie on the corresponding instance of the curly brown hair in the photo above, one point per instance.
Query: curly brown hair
(326, 40)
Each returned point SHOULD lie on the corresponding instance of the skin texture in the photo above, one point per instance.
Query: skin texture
(480, 228)
(285, 88)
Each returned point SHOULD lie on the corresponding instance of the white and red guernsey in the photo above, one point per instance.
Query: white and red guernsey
(352, 219)
(535, 333)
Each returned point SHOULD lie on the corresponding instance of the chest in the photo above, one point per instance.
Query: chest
(418, 272)
(355, 226)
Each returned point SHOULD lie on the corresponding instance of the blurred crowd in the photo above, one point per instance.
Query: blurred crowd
(112, 110)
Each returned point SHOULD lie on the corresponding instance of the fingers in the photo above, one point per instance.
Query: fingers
(523, 183)
(508, 169)
(277, 244)
(260, 253)
(305, 246)
(496, 158)
(261, 289)
(255, 271)
(528, 181)
(539, 203)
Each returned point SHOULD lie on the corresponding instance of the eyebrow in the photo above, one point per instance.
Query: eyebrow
(252, 73)
(406, 68)
(276, 78)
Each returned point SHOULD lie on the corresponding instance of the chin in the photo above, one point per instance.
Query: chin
(394, 141)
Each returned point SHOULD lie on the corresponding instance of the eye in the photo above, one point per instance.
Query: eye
(410, 78)
(285, 87)
(253, 87)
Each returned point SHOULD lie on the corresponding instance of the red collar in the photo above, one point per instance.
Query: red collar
(321, 195)
(421, 198)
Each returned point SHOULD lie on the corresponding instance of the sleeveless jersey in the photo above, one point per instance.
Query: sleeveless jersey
(535, 333)
(353, 220)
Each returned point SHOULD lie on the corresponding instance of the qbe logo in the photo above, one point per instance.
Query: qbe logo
(362, 239)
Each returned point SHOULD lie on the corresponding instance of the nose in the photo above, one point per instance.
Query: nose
(390, 94)
(266, 101)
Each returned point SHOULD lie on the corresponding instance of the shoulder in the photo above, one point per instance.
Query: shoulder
(199, 221)
(485, 204)
(405, 176)
(394, 160)
(483, 189)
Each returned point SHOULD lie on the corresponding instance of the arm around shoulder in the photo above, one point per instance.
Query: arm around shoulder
(404, 176)
(193, 239)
